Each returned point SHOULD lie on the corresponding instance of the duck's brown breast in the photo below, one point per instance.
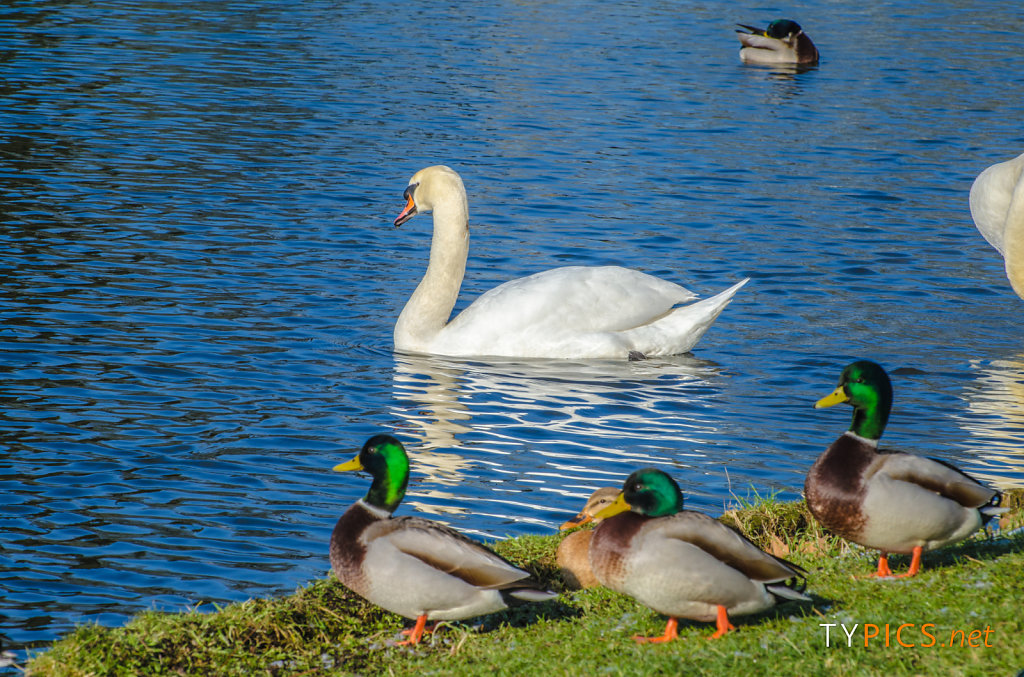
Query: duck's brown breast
(348, 549)
(835, 486)
(610, 547)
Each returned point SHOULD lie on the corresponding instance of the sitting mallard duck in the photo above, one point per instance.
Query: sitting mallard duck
(573, 554)
(413, 566)
(681, 563)
(783, 42)
(889, 500)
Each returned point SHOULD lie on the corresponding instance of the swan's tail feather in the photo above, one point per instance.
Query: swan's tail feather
(680, 330)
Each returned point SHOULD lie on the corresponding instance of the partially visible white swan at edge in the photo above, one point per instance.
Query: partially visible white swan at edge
(570, 312)
(997, 206)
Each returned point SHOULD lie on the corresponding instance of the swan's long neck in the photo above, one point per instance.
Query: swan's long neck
(430, 306)
(1013, 236)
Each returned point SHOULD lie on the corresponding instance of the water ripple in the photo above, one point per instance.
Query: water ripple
(200, 277)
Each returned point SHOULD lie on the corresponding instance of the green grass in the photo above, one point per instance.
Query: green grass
(324, 629)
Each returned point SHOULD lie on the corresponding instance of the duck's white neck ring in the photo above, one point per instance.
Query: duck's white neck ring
(379, 513)
(864, 440)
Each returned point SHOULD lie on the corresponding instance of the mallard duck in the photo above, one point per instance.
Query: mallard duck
(997, 207)
(889, 500)
(571, 312)
(682, 563)
(783, 42)
(573, 556)
(412, 566)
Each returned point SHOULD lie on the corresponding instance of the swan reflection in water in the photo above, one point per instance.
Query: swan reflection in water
(547, 431)
(994, 418)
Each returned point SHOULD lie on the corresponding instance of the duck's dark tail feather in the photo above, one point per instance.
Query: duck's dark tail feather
(992, 509)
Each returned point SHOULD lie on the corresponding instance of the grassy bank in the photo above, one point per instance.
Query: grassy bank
(324, 629)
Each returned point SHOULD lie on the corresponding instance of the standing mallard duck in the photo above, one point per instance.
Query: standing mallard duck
(889, 500)
(573, 556)
(681, 563)
(413, 566)
(783, 42)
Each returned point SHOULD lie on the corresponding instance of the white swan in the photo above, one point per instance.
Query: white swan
(571, 312)
(997, 206)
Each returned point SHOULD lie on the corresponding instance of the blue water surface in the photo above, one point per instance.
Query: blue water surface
(199, 276)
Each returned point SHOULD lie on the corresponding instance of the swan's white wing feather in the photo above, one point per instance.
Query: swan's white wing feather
(679, 331)
(577, 299)
(997, 206)
(580, 312)
(990, 199)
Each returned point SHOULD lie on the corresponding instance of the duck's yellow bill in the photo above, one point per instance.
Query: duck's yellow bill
(617, 506)
(354, 464)
(838, 396)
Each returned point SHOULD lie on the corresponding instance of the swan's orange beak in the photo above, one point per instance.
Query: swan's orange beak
(408, 212)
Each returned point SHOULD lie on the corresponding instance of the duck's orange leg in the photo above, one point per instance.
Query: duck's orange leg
(671, 632)
(915, 563)
(722, 623)
(417, 631)
(883, 567)
(426, 631)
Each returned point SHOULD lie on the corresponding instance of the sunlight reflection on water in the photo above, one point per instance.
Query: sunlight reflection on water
(994, 419)
(562, 423)
(200, 277)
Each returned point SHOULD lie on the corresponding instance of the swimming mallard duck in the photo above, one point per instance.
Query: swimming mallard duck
(781, 43)
(682, 563)
(573, 556)
(889, 500)
(413, 566)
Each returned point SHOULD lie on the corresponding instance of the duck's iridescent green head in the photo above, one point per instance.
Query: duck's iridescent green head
(385, 459)
(866, 387)
(782, 28)
(648, 491)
